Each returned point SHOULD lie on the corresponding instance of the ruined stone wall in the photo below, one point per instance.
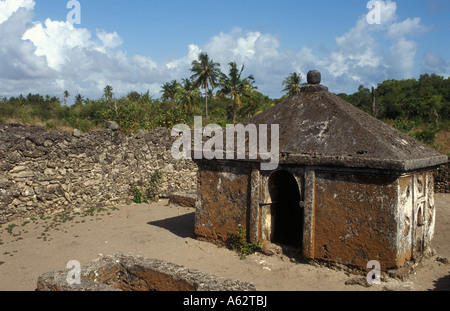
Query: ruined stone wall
(45, 172)
(442, 179)
(355, 218)
(222, 202)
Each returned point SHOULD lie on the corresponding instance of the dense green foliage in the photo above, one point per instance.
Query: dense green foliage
(426, 100)
(237, 241)
(420, 107)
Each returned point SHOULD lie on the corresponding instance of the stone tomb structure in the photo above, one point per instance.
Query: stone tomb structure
(348, 189)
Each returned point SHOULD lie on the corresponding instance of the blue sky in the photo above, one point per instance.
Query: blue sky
(139, 45)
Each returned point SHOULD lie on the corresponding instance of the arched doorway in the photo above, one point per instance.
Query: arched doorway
(287, 215)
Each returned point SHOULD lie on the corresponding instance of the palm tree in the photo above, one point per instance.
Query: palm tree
(78, 100)
(189, 95)
(112, 104)
(292, 84)
(108, 93)
(170, 90)
(206, 73)
(235, 87)
(66, 95)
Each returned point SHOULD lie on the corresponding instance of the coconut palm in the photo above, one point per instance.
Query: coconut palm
(206, 74)
(170, 90)
(78, 100)
(236, 88)
(292, 84)
(108, 93)
(189, 95)
(66, 95)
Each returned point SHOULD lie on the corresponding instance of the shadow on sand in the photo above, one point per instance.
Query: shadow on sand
(182, 226)
(442, 284)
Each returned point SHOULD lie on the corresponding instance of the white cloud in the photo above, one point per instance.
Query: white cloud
(241, 46)
(52, 56)
(55, 39)
(17, 58)
(401, 58)
(186, 61)
(109, 40)
(407, 27)
(9, 7)
(432, 63)
(388, 12)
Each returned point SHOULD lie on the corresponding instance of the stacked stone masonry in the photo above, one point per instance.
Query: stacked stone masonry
(126, 272)
(42, 172)
(442, 179)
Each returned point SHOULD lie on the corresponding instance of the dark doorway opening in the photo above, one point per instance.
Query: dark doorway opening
(287, 214)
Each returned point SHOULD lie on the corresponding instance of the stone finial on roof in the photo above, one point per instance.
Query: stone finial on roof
(314, 78)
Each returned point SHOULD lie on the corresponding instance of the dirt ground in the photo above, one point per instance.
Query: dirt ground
(36, 246)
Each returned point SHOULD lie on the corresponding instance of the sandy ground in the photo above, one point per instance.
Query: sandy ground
(163, 231)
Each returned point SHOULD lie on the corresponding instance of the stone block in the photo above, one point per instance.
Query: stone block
(125, 272)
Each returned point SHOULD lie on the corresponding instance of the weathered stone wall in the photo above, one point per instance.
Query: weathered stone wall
(125, 272)
(44, 172)
(442, 179)
(222, 202)
(355, 218)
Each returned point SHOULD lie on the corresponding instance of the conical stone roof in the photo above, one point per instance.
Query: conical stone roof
(319, 128)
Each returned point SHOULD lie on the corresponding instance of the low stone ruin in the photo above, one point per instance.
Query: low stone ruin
(183, 198)
(125, 272)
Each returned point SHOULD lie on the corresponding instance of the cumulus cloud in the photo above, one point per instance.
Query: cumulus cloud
(54, 40)
(433, 63)
(51, 56)
(359, 57)
(407, 27)
(9, 7)
(17, 57)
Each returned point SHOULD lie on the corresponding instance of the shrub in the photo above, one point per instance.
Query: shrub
(427, 136)
(138, 196)
(237, 241)
(151, 192)
(153, 188)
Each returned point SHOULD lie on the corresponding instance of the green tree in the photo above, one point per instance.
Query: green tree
(78, 100)
(235, 87)
(206, 74)
(292, 84)
(66, 95)
(170, 90)
(130, 115)
(108, 93)
(111, 103)
(189, 95)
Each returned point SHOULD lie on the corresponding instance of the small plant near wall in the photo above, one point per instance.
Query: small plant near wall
(237, 241)
(138, 196)
(153, 187)
(150, 193)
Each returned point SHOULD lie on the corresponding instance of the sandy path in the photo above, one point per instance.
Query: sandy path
(165, 232)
